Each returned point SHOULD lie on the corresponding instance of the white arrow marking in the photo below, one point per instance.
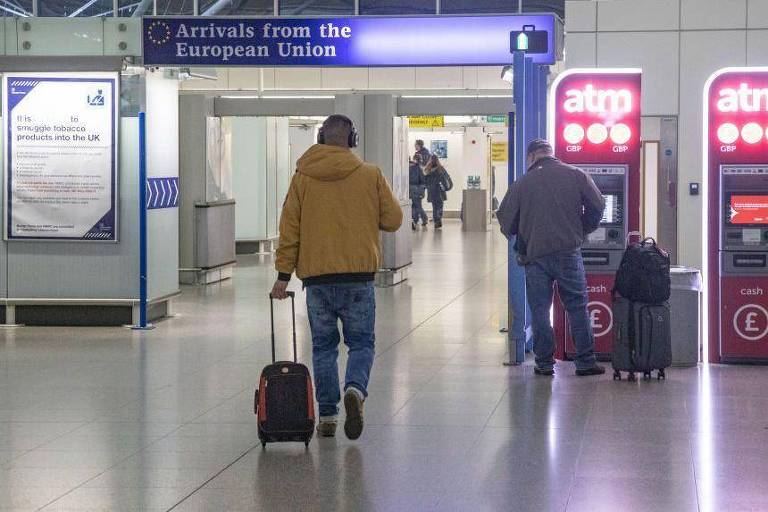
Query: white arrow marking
(162, 187)
(175, 185)
(149, 195)
(157, 193)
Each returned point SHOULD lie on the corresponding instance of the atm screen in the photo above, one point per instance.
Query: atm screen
(613, 213)
(748, 210)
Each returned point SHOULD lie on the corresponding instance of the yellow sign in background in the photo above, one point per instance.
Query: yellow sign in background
(499, 152)
(426, 121)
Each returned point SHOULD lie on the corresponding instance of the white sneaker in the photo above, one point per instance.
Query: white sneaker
(326, 427)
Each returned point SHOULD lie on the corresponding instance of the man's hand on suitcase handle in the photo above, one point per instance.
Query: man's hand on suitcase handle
(280, 290)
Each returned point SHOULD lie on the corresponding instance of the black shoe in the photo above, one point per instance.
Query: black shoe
(353, 403)
(413, 226)
(549, 372)
(595, 370)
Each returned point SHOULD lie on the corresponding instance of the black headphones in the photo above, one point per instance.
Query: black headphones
(354, 137)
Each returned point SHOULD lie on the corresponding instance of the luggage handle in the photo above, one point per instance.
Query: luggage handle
(529, 27)
(638, 234)
(292, 295)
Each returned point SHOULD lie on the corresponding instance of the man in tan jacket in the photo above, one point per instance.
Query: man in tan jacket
(329, 235)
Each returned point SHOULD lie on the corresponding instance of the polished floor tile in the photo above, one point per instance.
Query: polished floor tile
(113, 420)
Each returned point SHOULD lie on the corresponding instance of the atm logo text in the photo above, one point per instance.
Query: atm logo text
(743, 99)
(597, 101)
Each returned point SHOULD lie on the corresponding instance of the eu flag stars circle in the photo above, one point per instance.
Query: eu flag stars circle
(159, 32)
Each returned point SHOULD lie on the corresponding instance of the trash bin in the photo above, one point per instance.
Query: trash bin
(685, 307)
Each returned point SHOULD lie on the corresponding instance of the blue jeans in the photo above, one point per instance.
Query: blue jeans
(567, 270)
(355, 305)
(437, 211)
(417, 211)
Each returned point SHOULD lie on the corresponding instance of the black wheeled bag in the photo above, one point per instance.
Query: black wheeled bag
(642, 340)
(284, 401)
(644, 273)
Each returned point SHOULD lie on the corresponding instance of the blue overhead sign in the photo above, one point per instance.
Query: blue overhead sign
(353, 42)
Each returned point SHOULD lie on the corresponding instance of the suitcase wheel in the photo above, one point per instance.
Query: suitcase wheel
(661, 375)
(263, 445)
(646, 375)
(631, 377)
(616, 375)
(306, 443)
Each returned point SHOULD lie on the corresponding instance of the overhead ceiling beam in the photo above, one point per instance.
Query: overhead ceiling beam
(216, 7)
(14, 9)
(143, 7)
(83, 7)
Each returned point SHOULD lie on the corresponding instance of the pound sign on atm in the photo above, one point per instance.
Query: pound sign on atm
(600, 318)
(750, 321)
(594, 320)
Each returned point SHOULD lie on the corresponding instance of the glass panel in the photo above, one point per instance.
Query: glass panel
(127, 7)
(556, 6)
(131, 93)
(173, 7)
(500, 6)
(310, 7)
(60, 8)
(398, 7)
(240, 7)
(16, 8)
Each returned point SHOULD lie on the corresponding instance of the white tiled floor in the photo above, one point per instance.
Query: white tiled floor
(110, 419)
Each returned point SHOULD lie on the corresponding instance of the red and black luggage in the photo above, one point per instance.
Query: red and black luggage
(284, 401)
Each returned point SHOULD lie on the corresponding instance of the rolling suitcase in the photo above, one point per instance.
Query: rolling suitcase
(284, 401)
(642, 338)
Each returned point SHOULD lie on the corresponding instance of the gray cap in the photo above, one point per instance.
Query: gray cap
(537, 144)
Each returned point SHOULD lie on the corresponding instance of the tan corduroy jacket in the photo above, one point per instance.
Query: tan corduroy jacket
(335, 207)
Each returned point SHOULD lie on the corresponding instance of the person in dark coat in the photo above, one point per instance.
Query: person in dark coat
(417, 188)
(422, 154)
(438, 184)
(550, 211)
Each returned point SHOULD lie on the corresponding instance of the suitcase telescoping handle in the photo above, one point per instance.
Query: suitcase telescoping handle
(292, 295)
(633, 234)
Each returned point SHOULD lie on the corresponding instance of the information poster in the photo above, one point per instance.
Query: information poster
(60, 156)
(439, 148)
(499, 152)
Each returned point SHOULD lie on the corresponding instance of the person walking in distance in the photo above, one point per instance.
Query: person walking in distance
(550, 210)
(417, 187)
(422, 154)
(438, 184)
(329, 235)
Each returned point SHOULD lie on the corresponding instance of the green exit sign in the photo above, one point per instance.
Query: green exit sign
(496, 119)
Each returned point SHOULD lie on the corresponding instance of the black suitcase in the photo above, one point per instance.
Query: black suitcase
(642, 340)
(284, 401)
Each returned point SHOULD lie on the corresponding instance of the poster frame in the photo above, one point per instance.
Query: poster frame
(112, 78)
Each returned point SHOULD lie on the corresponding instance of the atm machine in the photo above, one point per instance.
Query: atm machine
(737, 166)
(595, 126)
(743, 250)
(602, 252)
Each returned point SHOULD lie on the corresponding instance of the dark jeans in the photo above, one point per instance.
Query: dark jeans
(417, 211)
(437, 212)
(355, 305)
(567, 270)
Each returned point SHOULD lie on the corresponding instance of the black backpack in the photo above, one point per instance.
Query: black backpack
(643, 274)
(446, 183)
